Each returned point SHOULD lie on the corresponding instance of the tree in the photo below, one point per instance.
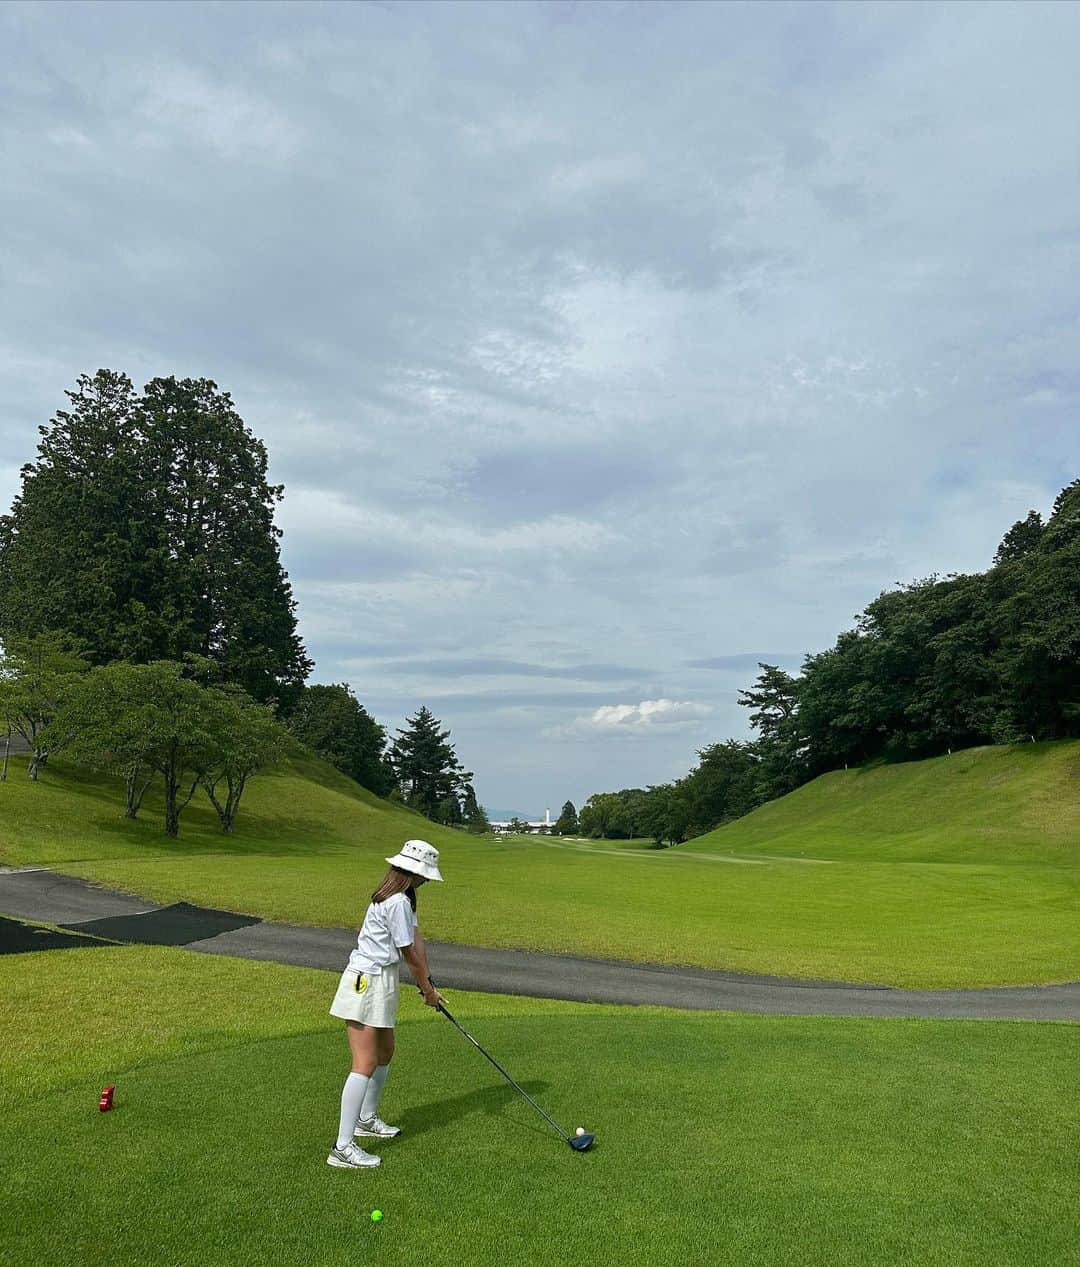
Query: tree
(448, 811)
(145, 528)
(106, 717)
(665, 815)
(332, 722)
(473, 815)
(36, 674)
(137, 718)
(724, 785)
(250, 738)
(518, 826)
(226, 593)
(567, 822)
(603, 817)
(1038, 626)
(426, 766)
(781, 748)
(1021, 539)
(74, 548)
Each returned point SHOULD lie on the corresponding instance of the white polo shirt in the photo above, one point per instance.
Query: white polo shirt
(388, 926)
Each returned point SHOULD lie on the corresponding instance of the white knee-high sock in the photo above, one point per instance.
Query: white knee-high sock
(370, 1105)
(352, 1096)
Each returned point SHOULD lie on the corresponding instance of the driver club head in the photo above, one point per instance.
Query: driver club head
(581, 1143)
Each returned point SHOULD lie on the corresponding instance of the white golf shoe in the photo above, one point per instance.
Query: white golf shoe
(352, 1158)
(376, 1128)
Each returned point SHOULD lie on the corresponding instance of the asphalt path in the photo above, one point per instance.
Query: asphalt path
(40, 894)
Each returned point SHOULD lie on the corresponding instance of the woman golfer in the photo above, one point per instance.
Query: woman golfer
(367, 996)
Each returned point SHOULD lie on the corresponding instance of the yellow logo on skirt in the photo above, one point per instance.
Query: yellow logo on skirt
(362, 984)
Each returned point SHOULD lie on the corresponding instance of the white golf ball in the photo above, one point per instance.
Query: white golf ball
(581, 1130)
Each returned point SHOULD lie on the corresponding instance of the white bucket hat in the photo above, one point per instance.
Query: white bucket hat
(418, 857)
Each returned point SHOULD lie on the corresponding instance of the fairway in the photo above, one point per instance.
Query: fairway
(722, 1139)
(962, 871)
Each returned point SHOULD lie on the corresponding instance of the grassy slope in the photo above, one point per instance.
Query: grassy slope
(1001, 805)
(310, 846)
(723, 1139)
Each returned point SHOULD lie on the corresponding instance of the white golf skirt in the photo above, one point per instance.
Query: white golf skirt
(368, 999)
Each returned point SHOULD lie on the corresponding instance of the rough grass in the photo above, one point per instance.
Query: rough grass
(957, 872)
(722, 1139)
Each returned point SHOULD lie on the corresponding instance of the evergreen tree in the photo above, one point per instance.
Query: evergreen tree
(473, 814)
(145, 529)
(74, 550)
(567, 822)
(212, 510)
(425, 764)
(780, 747)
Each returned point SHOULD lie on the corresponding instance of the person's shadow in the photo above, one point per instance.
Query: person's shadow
(495, 1101)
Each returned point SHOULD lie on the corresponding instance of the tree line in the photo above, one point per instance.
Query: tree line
(149, 629)
(141, 722)
(931, 666)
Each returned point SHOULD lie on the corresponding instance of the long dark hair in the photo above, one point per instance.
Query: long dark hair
(396, 881)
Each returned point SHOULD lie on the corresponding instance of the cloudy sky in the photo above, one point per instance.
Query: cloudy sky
(603, 349)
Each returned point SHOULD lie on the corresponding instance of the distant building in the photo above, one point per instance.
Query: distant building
(544, 826)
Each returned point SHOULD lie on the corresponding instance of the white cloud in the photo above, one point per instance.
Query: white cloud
(633, 719)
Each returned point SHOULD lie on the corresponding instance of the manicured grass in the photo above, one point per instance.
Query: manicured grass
(1000, 805)
(885, 903)
(722, 1139)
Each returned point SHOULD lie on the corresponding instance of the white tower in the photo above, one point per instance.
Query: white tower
(547, 818)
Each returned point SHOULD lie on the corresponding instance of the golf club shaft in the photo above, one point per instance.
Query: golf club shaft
(547, 1117)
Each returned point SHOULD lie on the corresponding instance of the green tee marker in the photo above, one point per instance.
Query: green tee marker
(376, 1216)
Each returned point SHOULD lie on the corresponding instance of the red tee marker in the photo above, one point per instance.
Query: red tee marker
(105, 1103)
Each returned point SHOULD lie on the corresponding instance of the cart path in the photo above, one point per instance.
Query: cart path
(40, 894)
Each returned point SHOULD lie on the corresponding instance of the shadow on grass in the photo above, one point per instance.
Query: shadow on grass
(294, 836)
(495, 1101)
(272, 834)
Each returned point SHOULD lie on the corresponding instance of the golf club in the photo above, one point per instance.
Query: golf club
(579, 1143)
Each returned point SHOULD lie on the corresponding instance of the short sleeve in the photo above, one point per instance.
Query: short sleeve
(401, 921)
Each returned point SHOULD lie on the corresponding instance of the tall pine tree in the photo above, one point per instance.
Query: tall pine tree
(567, 822)
(145, 529)
(427, 769)
(473, 815)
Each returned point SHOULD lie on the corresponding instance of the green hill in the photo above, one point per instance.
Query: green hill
(960, 871)
(1000, 804)
(303, 806)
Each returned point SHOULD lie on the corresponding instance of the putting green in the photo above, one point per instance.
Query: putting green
(957, 872)
(722, 1139)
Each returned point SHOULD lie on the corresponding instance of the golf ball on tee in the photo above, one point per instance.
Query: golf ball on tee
(580, 1130)
(376, 1215)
